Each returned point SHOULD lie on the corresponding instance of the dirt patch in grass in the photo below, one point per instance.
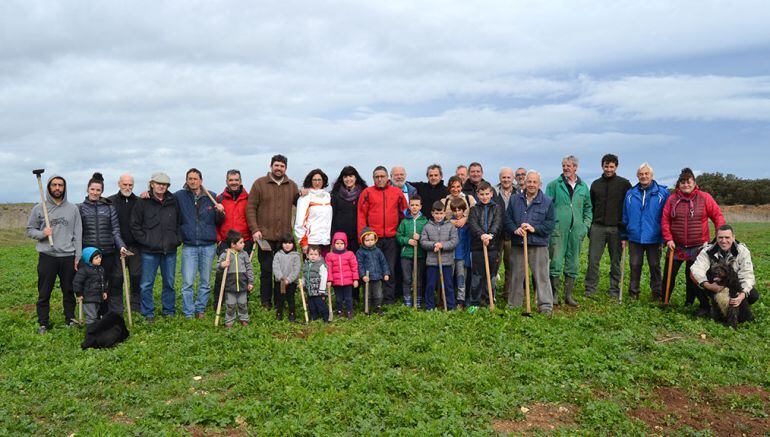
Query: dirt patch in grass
(719, 411)
(25, 308)
(120, 417)
(538, 417)
(197, 431)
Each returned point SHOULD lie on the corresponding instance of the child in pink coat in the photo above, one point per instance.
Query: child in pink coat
(343, 273)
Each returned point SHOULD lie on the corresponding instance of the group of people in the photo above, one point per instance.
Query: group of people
(397, 240)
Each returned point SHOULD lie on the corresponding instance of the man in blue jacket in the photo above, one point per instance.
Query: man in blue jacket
(642, 209)
(530, 212)
(199, 217)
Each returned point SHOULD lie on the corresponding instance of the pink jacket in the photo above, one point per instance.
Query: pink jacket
(343, 267)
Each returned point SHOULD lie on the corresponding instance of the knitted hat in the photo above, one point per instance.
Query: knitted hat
(89, 253)
(366, 231)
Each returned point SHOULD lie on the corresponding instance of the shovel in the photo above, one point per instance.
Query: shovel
(37, 174)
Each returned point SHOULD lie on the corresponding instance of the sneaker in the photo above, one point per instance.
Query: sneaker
(73, 323)
(228, 325)
(149, 320)
(380, 312)
(349, 314)
(547, 313)
(200, 315)
(278, 316)
(42, 329)
(292, 317)
(244, 323)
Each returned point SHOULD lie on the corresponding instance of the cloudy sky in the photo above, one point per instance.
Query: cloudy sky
(143, 86)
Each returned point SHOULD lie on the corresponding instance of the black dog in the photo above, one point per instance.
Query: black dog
(722, 273)
(105, 332)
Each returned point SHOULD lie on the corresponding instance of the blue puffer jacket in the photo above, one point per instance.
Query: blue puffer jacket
(642, 211)
(373, 261)
(540, 214)
(198, 218)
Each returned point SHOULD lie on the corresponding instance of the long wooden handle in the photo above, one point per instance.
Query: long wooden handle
(526, 272)
(489, 278)
(329, 301)
(213, 200)
(622, 273)
(670, 265)
(441, 278)
(366, 294)
(45, 209)
(414, 270)
(222, 290)
(301, 287)
(126, 293)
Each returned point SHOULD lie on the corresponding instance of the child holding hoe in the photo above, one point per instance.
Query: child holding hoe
(439, 236)
(408, 237)
(371, 259)
(314, 279)
(90, 283)
(239, 281)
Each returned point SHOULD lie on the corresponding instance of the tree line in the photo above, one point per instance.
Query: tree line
(732, 190)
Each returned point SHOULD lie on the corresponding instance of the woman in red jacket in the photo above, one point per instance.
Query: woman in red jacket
(685, 230)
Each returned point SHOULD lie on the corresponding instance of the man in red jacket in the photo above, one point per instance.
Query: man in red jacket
(380, 208)
(234, 199)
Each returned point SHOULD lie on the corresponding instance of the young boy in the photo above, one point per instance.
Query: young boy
(314, 278)
(286, 266)
(439, 235)
(371, 259)
(239, 281)
(90, 283)
(485, 224)
(408, 237)
(459, 209)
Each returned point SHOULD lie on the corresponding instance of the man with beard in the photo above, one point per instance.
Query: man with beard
(59, 259)
(398, 180)
(124, 201)
(268, 214)
(433, 190)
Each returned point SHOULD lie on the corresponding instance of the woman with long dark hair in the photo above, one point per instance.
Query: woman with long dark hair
(345, 192)
(314, 212)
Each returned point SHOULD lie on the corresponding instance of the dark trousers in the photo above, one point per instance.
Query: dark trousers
(478, 294)
(48, 269)
(266, 275)
(221, 247)
(636, 254)
(317, 308)
(281, 299)
(601, 236)
(432, 278)
(691, 288)
(389, 248)
(344, 294)
(134, 266)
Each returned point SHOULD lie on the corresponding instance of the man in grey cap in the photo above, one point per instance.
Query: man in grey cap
(155, 226)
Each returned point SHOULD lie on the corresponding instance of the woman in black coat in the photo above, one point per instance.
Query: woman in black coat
(345, 192)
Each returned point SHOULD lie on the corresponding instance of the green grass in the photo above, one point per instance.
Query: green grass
(404, 373)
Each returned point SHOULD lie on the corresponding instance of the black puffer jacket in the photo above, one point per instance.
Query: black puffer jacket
(90, 282)
(100, 225)
(123, 205)
(345, 219)
(155, 224)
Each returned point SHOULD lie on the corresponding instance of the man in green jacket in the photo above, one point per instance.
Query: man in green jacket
(572, 204)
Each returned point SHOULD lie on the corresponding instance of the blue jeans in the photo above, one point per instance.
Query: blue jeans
(150, 264)
(432, 274)
(196, 259)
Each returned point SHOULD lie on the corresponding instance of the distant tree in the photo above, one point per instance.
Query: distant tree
(732, 190)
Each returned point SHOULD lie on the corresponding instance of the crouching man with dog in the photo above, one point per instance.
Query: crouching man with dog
(724, 269)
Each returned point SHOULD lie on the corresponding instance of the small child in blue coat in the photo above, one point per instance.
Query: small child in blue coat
(371, 259)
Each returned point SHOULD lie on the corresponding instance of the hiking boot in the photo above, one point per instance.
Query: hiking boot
(555, 284)
(292, 317)
(569, 284)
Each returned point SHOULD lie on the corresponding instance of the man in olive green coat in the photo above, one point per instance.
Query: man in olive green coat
(572, 204)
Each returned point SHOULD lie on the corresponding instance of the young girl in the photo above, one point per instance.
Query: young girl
(286, 266)
(371, 259)
(343, 273)
(314, 279)
(90, 283)
(239, 281)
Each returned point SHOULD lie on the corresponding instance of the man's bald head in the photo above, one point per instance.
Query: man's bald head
(126, 184)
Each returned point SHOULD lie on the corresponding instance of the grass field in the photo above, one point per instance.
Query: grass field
(600, 369)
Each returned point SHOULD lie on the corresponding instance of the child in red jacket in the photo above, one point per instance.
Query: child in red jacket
(343, 273)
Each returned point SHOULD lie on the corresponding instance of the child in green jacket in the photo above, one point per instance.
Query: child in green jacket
(408, 237)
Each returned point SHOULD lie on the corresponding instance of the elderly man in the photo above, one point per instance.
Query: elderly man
(505, 189)
(60, 257)
(398, 180)
(124, 201)
(433, 190)
(269, 215)
(380, 207)
(530, 213)
(607, 195)
(642, 210)
(520, 176)
(728, 250)
(199, 217)
(462, 172)
(475, 177)
(155, 225)
(572, 204)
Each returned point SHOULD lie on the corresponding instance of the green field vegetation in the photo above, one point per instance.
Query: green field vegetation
(599, 368)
